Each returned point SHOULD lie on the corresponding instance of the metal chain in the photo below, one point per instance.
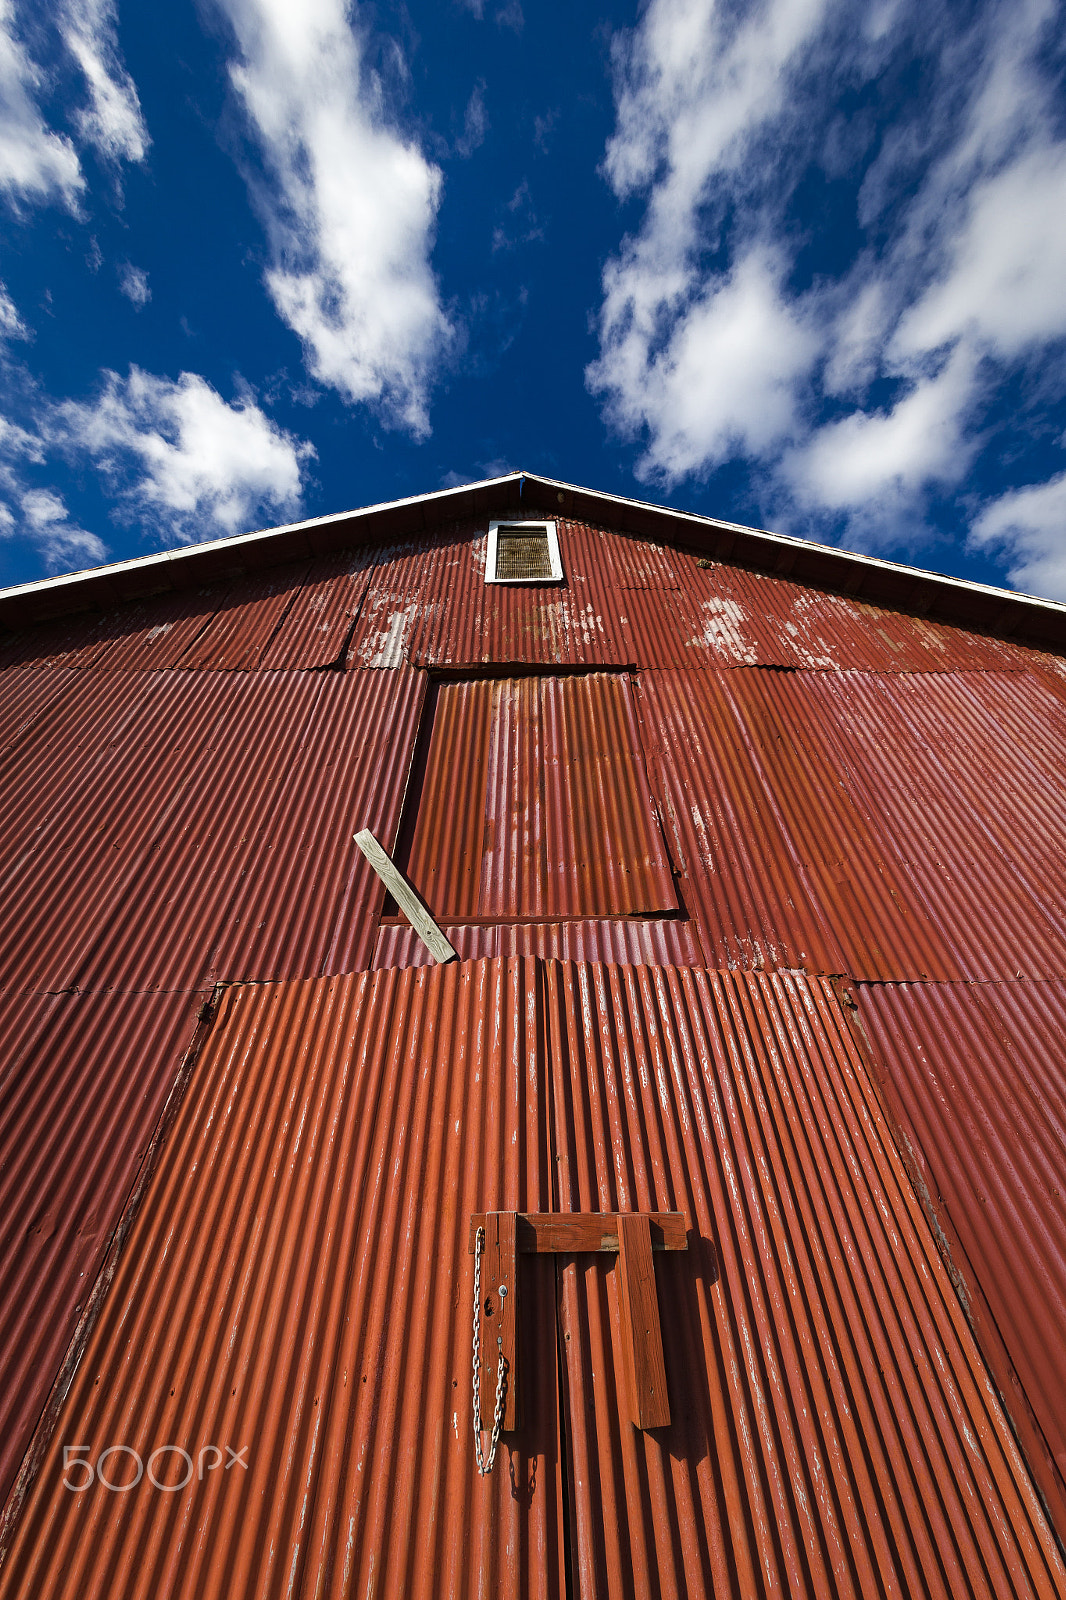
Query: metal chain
(485, 1467)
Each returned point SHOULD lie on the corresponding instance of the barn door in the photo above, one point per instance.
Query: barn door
(286, 1346)
(832, 1430)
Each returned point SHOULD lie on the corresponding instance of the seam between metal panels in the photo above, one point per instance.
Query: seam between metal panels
(979, 1315)
(37, 1448)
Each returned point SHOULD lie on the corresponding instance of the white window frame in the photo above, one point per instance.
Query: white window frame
(534, 525)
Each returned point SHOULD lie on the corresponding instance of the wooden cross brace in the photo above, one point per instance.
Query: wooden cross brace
(633, 1235)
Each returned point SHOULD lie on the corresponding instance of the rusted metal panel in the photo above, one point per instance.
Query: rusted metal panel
(777, 866)
(535, 804)
(80, 1095)
(25, 695)
(297, 1286)
(256, 874)
(976, 1076)
(890, 825)
(246, 622)
(655, 942)
(834, 1428)
(205, 829)
(314, 629)
(960, 776)
(757, 619)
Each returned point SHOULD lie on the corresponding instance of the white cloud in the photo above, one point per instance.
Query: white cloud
(64, 546)
(1005, 285)
(11, 324)
(350, 208)
(956, 283)
(1030, 526)
(191, 464)
(868, 455)
(35, 163)
(133, 282)
(723, 383)
(112, 121)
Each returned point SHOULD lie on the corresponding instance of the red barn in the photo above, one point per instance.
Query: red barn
(679, 1068)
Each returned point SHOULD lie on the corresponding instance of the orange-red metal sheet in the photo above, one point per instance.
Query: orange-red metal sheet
(779, 866)
(976, 1076)
(181, 827)
(535, 804)
(834, 1430)
(962, 780)
(83, 1080)
(658, 942)
(297, 1288)
(886, 825)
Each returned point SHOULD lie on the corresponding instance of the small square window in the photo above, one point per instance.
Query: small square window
(523, 552)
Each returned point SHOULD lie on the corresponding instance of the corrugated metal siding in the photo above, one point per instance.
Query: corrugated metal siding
(976, 1075)
(780, 865)
(314, 630)
(958, 778)
(242, 628)
(887, 825)
(756, 619)
(625, 601)
(535, 804)
(297, 1282)
(834, 1430)
(657, 943)
(204, 826)
(80, 1095)
(25, 695)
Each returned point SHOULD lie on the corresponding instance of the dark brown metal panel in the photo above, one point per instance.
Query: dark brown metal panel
(314, 629)
(535, 804)
(976, 1075)
(297, 1286)
(256, 873)
(78, 1106)
(656, 942)
(25, 695)
(834, 1429)
(201, 823)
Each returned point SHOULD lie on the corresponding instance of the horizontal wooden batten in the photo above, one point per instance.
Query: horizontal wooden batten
(570, 1233)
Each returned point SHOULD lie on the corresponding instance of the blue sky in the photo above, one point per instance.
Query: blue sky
(799, 264)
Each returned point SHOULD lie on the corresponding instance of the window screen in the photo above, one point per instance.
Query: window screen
(523, 552)
(522, 555)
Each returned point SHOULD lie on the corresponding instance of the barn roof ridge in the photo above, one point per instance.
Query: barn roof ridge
(985, 607)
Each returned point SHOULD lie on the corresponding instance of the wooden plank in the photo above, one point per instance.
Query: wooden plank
(412, 906)
(641, 1332)
(571, 1233)
(499, 1316)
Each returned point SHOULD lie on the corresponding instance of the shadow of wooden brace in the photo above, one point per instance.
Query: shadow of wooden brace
(634, 1235)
